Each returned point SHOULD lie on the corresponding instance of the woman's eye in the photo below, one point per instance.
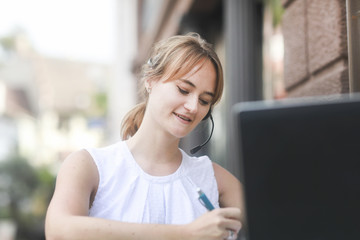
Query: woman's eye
(182, 91)
(203, 102)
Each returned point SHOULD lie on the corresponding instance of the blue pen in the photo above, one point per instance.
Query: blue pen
(204, 200)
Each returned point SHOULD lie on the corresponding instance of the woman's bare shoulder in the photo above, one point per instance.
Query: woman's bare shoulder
(79, 166)
(222, 173)
(81, 158)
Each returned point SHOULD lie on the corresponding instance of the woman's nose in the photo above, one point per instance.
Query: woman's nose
(191, 104)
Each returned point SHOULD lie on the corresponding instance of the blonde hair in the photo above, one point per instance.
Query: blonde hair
(171, 59)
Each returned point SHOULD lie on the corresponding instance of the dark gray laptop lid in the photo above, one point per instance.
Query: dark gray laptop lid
(300, 165)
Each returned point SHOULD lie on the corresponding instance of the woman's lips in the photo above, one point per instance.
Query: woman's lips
(183, 117)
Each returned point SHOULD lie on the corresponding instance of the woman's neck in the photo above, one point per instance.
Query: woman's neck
(157, 153)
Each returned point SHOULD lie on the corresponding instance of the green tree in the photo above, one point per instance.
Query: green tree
(28, 191)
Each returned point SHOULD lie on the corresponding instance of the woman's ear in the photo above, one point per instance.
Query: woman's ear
(150, 83)
(147, 83)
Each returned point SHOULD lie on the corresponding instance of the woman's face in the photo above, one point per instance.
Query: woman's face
(179, 105)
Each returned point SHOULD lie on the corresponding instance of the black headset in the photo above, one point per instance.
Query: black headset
(197, 148)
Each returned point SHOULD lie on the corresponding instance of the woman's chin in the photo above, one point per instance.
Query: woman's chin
(179, 133)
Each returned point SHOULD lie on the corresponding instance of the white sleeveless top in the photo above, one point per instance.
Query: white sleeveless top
(127, 193)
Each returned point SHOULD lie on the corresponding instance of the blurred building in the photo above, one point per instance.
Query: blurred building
(49, 107)
(122, 91)
(316, 47)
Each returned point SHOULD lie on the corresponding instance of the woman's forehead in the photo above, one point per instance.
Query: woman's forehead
(203, 74)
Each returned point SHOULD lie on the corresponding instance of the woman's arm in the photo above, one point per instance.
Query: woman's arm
(76, 185)
(230, 188)
(230, 191)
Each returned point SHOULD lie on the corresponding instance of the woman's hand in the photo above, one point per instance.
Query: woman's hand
(216, 225)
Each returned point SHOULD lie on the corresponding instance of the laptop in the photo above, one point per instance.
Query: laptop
(300, 166)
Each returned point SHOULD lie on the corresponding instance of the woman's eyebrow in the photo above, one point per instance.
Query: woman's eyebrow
(193, 85)
(188, 82)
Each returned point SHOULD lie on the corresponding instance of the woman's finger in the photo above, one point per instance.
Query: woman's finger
(230, 212)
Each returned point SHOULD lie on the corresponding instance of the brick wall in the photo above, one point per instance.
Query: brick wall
(315, 38)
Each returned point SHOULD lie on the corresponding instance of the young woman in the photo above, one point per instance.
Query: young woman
(145, 187)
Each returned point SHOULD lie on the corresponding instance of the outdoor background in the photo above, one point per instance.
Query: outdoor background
(69, 74)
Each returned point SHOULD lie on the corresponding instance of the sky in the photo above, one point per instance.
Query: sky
(72, 29)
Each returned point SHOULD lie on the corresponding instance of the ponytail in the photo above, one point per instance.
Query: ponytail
(132, 121)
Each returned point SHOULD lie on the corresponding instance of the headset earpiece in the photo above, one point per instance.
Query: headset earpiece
(208, 114)
(197, 148)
